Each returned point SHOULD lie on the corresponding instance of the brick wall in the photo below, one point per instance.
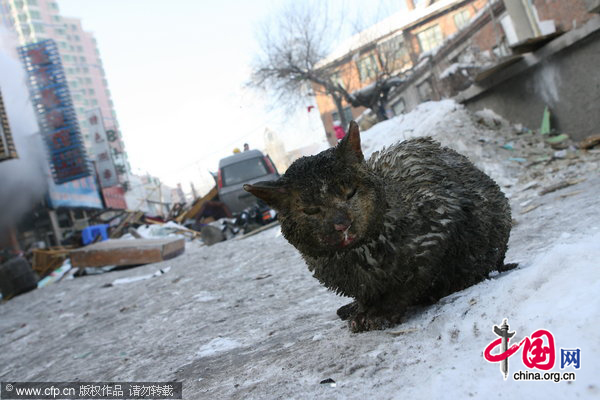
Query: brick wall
(566, 14)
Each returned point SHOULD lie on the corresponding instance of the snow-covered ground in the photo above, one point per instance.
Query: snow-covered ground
(244, 319)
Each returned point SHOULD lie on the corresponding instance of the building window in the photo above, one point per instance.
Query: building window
(335, 116)
(88, 80)
(34, 14)
(32, 2)
(394, 53)
(56, 18)
(59, 31)
(336, 78)
(461, 19)
(430, 38)
(38, 27)
(367, 67)
(91, 92)
(76, 37)
(82, 59)
(54, 6)
(73, 27)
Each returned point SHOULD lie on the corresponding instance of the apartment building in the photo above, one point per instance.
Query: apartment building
(35, 20)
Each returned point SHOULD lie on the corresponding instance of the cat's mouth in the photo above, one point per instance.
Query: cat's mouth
(347, 237)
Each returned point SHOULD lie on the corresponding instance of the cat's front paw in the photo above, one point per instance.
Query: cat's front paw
(363, 322)
(347, 311)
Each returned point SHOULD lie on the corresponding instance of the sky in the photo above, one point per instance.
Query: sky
(177, 71)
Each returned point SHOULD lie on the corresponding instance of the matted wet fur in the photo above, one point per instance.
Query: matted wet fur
(414, 223)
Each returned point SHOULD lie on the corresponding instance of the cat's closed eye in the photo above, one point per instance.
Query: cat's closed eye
(351, 194)
(311, 210)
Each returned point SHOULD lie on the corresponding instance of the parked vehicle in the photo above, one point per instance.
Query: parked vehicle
(234, 171)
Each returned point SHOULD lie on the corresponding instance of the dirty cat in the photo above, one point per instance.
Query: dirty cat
(414, 223)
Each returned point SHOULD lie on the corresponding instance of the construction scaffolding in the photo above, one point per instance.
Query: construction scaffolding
(7, 145)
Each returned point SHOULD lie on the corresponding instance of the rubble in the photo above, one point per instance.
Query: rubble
(127, 252)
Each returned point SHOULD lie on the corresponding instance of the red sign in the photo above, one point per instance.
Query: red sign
(114, 197)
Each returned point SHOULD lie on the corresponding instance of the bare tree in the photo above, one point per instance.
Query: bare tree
(293, 46)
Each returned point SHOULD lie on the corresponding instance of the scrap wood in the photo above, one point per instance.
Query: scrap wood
(127, 252)
(175, 211)
(254, 232)
(47, 260)
(197, 206)
(534, 43)
(132, 218)
(562, 196)
(500, 65)
(589, 142)
(178, 229)
(560, 185)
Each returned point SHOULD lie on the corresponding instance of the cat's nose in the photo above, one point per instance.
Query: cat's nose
(340, 227)
(341, 222)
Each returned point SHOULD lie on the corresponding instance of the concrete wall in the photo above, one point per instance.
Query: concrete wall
(565, 76)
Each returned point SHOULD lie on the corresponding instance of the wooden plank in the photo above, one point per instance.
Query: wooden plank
(534, 43)
(127, 252)
(502, 64)
(191, 213)
(258, 230)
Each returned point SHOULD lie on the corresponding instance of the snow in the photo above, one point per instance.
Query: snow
(454, 68)
(383, 28)
(167, 229)
(245, 319)
(218, 345)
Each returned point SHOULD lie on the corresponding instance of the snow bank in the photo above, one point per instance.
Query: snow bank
(453, 126)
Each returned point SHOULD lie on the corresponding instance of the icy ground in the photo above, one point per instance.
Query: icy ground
(244, 319)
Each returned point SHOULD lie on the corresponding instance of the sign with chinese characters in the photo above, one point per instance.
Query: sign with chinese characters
(114, 197)
(82, 192)
(100, 149)
(56, 114)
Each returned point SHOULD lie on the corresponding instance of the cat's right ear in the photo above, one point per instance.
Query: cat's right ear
(271, 192)
(349, 146)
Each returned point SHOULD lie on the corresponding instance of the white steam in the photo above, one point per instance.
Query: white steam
(23, 181)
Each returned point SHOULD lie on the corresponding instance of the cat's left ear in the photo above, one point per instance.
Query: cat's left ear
(349, 146)
(271, 192)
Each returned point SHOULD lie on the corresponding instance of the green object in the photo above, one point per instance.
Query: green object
(517, 159)
(545, 128)
(557, 139)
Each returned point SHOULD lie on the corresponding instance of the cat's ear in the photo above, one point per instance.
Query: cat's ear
(271, 192)
(349, 146)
